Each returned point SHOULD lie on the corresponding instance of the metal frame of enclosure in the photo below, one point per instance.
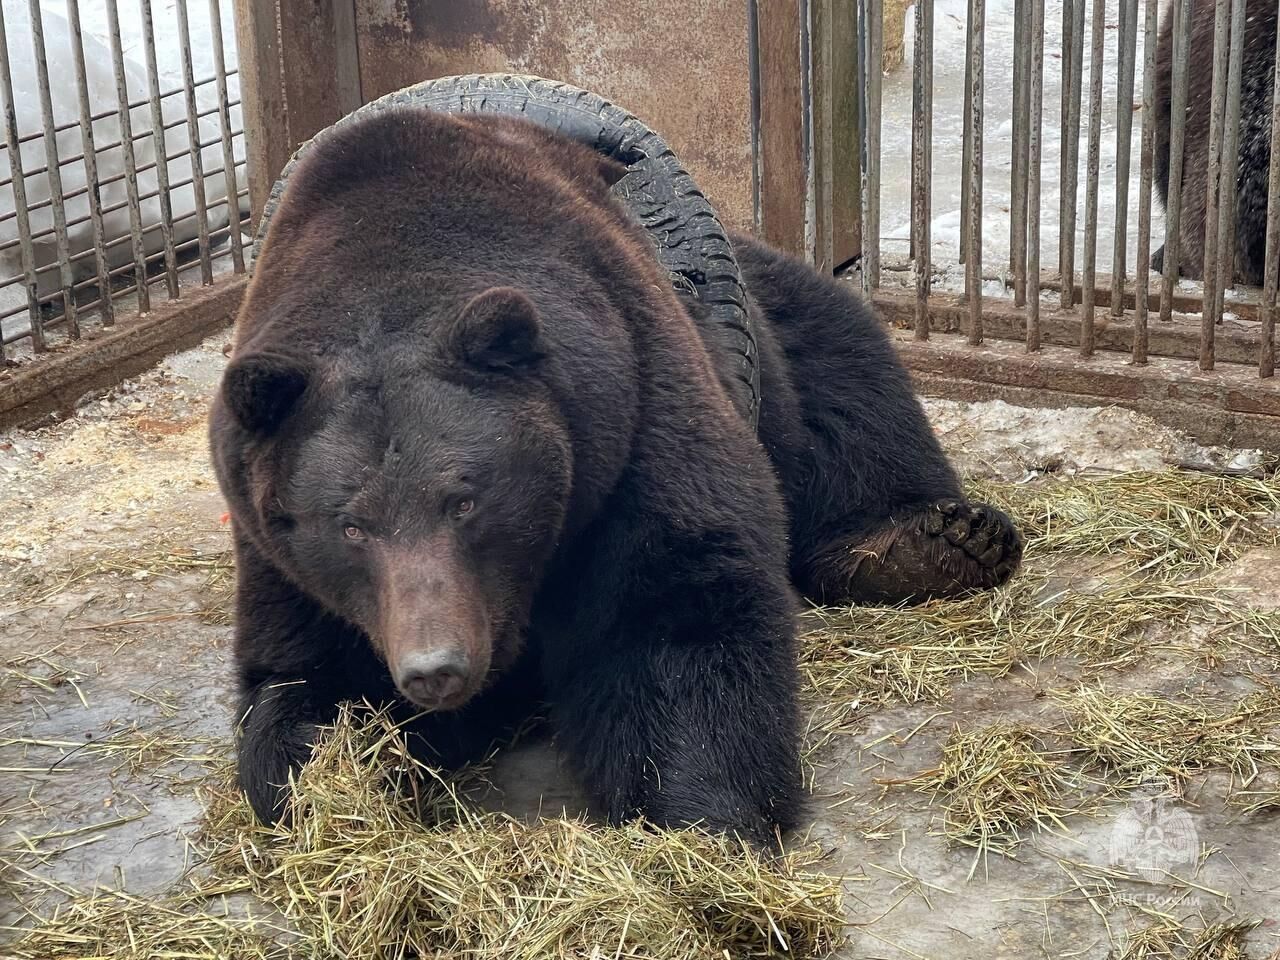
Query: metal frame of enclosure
(776, 107)
(112, 136)
(1074, 334)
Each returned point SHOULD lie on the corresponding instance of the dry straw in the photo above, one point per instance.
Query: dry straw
(1169, 938)
(994, 783)
(1140, 738)
(1166, 523)
(363, 875)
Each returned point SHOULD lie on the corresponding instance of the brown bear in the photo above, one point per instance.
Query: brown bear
(478, 459)
(1253, 161)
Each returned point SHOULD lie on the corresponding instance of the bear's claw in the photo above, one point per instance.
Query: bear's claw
(986, 535)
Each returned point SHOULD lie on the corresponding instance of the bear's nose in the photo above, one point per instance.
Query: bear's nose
(432, 679)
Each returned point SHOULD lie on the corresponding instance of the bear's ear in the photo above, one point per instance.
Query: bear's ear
(262, 388)
(497, 331)
(611, 170)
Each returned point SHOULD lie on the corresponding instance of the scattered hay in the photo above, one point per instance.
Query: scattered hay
(134, 747)
(1167, 523)
(140, 562)
(122, 926)
(1140, 738)
(863, 657)
(362, 877)
(993, 782)
(1171, 939)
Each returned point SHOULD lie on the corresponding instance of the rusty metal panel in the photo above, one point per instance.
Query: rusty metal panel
(680, 65)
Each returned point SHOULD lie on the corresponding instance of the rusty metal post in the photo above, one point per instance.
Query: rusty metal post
(966, 144)
(1181, 13)
(90, 164)
(922, 164)
(1230, 161)
(973, 260)
(53, 170)
(161, 151)
(224, 127)
(1088, 281)
(1142, 279)
(27, 253)
(1213, 189)
(130, 161)
(193, 140)
(1072, 93)
(1271, 275)
(1128, 44)
(1018, 159)
(874, 10)
(1034, 148)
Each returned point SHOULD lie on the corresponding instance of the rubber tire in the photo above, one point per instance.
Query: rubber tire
(688, 238)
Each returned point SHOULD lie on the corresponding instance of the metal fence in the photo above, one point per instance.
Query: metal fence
(1082, 219)
(122, 176)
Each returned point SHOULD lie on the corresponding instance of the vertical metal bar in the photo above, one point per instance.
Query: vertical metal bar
(93, 194)
(130, 162)
(875, 74)
(1128, 43)
(19, 185)
(966, 145)
(973, 262)
(54, 170)
(1034, 148)
(1230, 161)
(1088, 282)
(193, 139)
(1019, 161)
(228, 155)
(1271, 274)
(753, 86)
(922, 164)
(1213, 188)
(1064, 199)
(1181, 14)
(1071, 157)
(1142, 278)
(158, 139)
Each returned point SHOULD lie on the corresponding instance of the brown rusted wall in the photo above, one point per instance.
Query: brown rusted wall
(679, 65)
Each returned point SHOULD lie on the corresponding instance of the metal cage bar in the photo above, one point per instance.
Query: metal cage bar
(1035, 137)
(1142, 278)
(1088, 281)
(922, 165)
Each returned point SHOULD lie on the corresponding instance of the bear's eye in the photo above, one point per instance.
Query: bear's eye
(463, 507)
(352, 532)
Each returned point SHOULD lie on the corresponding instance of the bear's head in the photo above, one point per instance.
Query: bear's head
(435, 382)
(417, 497)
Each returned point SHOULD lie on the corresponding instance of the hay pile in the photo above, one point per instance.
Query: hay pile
(389, 861)
(993, 782)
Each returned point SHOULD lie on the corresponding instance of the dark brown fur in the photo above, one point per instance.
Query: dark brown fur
(1254, 159)
(452, 309)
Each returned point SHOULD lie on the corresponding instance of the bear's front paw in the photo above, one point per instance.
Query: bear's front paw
(266, 761)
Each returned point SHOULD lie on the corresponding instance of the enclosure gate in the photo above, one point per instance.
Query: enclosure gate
(778, 107)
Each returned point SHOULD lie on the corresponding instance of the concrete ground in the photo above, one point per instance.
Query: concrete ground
(115, 698)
